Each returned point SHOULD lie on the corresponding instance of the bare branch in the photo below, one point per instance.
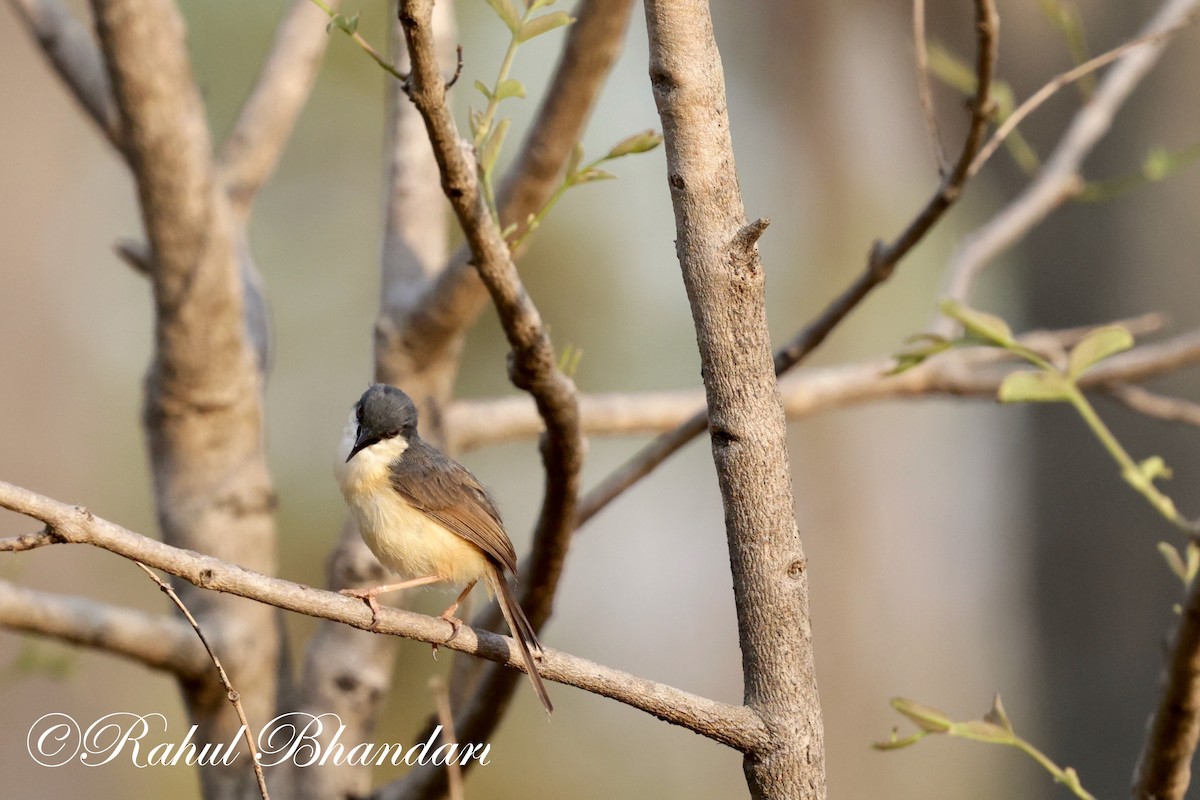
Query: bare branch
(156, 642)
(70, 49)
(726, 289)
(252, 149)
(923, 88)
(734, 726)
(1059, 179)
(1168, 409)
(1164, 769)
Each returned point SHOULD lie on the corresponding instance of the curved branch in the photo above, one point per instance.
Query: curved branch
(452, 302)
(71, 51)
(734, 726)
(157, 642)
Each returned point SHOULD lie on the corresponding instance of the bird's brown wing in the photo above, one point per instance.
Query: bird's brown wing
(447, 492)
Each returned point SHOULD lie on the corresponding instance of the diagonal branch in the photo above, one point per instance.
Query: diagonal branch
(881, 264)
(71, 50)
(252, 149)
(734, 726)
(153, 641)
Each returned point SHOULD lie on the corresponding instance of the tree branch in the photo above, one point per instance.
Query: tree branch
(726, 289)
(1059, 179)
(1164, 769)
(71, 51)
(203, 397)
(153, 641)
(478, 423)
(252, 149)
(734, 726)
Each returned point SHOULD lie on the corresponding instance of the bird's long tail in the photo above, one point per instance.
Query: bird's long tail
(522, 632)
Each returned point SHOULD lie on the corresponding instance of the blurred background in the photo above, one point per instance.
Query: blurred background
(956, 548)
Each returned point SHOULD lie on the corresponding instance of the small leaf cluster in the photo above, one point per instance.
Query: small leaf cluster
(993, 728)
(1048, 383)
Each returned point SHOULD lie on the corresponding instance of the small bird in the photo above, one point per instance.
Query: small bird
(425, 516)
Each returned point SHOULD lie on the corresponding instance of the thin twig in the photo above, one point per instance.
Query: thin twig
(1059, 178)
(1168, 409)
(1058, 82)
(734, 726)
(441, 696)
(880, 266)
(924, 89)
(234, 697)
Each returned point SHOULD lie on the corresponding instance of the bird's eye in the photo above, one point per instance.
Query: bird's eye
(358, 412)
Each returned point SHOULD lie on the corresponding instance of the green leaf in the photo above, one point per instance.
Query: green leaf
(347, 24)
(924, 717)
(1193, 562)
(1034, 387)
(476, 119)
(915, 356)
(637, 143)
(483, 89)
(592, 174)
(534, 5)
(543, 24)
(576, 158)
(491, 147)
(510, 87)
(507, 13)
(985, 326)
(1097, 346)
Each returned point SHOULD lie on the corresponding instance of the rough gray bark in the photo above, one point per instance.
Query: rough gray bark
(725, 286)
(203, 403)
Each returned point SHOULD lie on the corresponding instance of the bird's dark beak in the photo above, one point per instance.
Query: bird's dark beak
(364, 439)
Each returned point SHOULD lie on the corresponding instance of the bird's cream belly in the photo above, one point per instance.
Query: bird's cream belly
(411, 544)
(403, 539)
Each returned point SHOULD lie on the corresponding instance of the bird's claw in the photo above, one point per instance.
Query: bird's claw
(367, 597)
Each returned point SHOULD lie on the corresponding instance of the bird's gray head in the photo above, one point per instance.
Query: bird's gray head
(383, 412)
